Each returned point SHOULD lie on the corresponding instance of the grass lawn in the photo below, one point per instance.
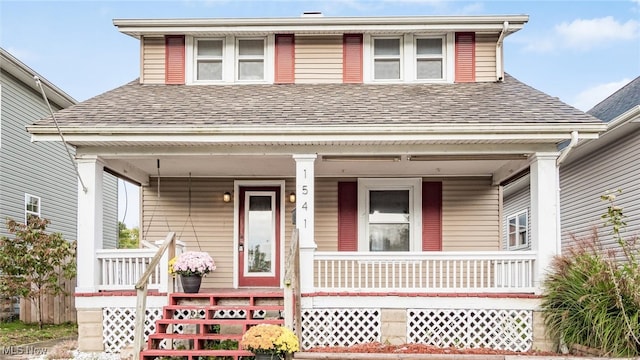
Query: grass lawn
(18, 333)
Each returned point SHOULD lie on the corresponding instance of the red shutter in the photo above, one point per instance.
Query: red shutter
(352, 58)
(174, 59)
(285, 59)
(431, 216)
(347, 216)
(465, 57)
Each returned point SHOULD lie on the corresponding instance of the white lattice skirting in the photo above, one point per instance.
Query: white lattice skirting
(339, 327)
(495, 329)
(118, 326)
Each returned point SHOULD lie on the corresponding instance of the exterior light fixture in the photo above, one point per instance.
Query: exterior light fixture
(226, 197)
(292, 197)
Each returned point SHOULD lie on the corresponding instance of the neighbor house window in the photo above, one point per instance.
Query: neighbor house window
(250, 59)
(387, 61)
(31, 207)
(209, 59)
(392, 219)
(429, 58)
(517, 226)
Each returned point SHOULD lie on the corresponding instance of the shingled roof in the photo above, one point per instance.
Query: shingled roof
(619, 102)
(140, 106)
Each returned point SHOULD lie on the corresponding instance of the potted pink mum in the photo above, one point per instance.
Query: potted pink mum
(192, 266)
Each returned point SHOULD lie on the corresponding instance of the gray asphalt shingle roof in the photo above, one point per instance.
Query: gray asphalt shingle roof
(135, 105)
(619, 102)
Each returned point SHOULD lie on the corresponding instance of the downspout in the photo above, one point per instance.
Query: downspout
(499, 57)
(565, 151)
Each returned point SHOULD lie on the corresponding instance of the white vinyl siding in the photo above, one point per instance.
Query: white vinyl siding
(583, 181)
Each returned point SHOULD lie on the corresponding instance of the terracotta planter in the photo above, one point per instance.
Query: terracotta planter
(191, 283)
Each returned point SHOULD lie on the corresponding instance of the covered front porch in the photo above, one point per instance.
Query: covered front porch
(452, 269)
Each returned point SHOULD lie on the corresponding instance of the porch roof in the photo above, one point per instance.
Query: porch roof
(509, 107)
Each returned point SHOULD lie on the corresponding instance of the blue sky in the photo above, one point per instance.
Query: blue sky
(578, 51)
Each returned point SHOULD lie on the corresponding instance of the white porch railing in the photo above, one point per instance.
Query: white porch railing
(120, 269)
(481, 271)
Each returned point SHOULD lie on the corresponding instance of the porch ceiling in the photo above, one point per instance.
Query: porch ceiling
(281, 166)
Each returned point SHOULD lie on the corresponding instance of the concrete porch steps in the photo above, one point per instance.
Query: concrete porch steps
(210, 324)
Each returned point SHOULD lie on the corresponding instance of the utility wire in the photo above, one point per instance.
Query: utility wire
(66, 146)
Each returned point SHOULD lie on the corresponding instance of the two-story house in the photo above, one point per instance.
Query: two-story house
(382, 140)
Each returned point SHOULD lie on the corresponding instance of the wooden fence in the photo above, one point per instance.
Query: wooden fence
(55, 309)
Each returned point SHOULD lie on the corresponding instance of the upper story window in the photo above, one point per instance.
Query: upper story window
(229, 59)
(209, 57)
(250, 59)
(429, 58)
(409, 58)
(517, 227)
(393, 214)
(387, 59)
(31, 207)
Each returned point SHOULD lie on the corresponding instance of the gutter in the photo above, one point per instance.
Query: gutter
(565, 151)
(499, 57)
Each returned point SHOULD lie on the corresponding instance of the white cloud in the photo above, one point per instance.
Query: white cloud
(589, 97)
(584, 34)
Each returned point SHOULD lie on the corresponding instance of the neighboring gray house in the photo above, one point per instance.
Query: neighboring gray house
(38, 178)
(591, 169)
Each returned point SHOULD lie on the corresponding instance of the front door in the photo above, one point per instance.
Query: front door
(259, 236)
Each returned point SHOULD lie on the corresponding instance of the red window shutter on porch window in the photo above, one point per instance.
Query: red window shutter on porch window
(285, 59)
(174, 59)
(465, 57)
(347, 216)
(352, 58)
(431, 216)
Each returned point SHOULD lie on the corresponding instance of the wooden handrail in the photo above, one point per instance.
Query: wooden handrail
(141, 294)
(292, 298)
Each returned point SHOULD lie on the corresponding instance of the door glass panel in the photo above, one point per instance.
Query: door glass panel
(259, 239)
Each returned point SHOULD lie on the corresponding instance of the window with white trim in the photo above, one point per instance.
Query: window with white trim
(31, 207)
(429, 53)
(410, 57)
(209, 56)
(517, 231)
(392, 209)
(250, 59)
(387, 59)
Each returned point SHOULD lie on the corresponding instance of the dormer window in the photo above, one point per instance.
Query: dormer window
(229, 59)
(409, 58)
(209, 57)
(250, 59)
(387, 62)
(429, 58)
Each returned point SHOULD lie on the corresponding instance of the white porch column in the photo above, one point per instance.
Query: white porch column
(305, 217)
(545, 207)
(89, 223)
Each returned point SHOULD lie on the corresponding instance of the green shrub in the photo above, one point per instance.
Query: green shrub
(593, 299)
